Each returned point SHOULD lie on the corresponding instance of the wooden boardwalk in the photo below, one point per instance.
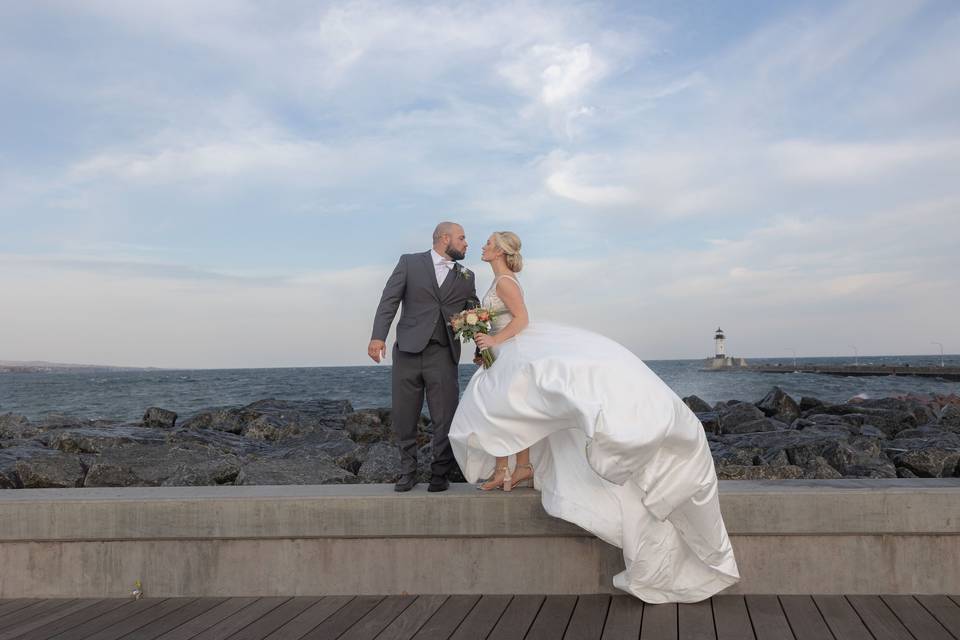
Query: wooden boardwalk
(498, 617)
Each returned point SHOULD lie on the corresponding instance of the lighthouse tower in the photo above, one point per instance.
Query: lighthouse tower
(719, 339)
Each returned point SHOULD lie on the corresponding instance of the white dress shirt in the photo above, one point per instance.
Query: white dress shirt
(442, 265)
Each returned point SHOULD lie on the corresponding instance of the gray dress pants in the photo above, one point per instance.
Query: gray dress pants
(433, 373)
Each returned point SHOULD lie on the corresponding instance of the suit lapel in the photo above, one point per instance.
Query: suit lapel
(431, 272)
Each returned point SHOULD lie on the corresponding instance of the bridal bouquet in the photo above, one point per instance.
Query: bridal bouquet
(467, 324)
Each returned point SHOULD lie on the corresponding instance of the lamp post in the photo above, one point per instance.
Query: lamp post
(856, 355)
(794, 351)
(941, 352)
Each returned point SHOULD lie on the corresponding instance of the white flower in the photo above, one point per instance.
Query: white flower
(472, 318)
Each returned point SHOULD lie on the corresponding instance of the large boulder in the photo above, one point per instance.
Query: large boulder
(777, 404)
(753, 426)
(97, 439)
(159, 418)
(761, 472)
(59, 470)
(733, 415)
(149, 465)
(295, 467)
(697, 404)
(381, 463)
(273, 420)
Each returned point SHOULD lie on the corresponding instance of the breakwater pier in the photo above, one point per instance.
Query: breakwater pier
(945, 373)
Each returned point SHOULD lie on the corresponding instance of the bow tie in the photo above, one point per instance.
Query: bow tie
(446, 263)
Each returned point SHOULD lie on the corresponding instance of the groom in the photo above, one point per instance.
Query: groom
(432, 287)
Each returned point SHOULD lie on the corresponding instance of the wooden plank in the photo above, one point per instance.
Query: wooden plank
(447, 618)
(769, 621)
(695, 621)
(40, 621)
(843, 621)
(623, 618)
(878, 618)
(482, 618)
(38, 608)
(945, 610)
(310, 619)
(209, 618)
(552, 619)
(413, 618)
(107, 619)
(517, 618)
(19, 603)
(804, 618)
(588, 617)
(730, 617)
(180, 616)
(75, 620)
(275, 619)
(241, 619)
(140, 619)
(344, 618)
(915, 618)
(379, 618)
(659, 622)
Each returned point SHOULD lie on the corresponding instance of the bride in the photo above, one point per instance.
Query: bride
(611, 448)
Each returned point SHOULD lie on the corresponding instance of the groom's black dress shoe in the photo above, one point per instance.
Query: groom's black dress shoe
(406, 482)
(438, 483)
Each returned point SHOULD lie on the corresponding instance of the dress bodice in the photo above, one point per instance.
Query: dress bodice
(493, 302)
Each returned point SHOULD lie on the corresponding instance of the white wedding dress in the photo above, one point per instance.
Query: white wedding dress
(614, 451)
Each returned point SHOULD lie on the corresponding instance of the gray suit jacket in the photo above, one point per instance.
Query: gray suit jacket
(425, 304)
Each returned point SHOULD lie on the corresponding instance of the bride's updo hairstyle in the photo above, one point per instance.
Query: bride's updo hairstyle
(509, 243)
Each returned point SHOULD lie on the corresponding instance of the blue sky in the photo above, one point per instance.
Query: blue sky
(219, 184)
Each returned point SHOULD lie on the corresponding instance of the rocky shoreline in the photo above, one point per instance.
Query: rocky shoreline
(328, 442)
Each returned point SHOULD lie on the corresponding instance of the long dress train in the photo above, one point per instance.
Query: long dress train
(614, 450)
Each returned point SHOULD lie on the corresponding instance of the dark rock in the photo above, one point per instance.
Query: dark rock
(97, 439)
(807, 403)
(733, 415)
(149, 465)
(819, 469)
(14, 426)
(765, 472)
(697, 405)
(296, 467)
(929, 462)
(777, 404)
(880, 468)
(949, 416)
(903, 472)
(381, 463)
(369, 425)
(273, 420)
(159, 418)
(753, 426)
(710, 421)
(60, 470)
(11, 456)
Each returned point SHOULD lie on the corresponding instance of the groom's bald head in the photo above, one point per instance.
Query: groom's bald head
(450, 240)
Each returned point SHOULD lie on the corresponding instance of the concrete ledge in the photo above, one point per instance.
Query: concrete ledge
(790, 536)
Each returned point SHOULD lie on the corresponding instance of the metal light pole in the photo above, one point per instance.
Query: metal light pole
(941, 352)
(856, 356)
(794, 357)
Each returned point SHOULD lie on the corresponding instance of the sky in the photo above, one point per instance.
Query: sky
(230, 183)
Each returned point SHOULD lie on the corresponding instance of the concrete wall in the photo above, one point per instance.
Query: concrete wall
(790, 536)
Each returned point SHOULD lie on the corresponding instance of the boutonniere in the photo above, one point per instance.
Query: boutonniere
(462, 272)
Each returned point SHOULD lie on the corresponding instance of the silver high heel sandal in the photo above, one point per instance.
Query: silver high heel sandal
(504, 483)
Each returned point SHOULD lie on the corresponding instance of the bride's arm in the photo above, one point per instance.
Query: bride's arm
(509, 292)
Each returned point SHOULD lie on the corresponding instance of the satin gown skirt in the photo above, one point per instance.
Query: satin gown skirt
(615, 451)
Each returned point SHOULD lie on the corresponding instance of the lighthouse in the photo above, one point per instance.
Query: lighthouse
(719, 339)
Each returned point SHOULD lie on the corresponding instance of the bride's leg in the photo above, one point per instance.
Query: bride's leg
(501, 471)
(524, 470)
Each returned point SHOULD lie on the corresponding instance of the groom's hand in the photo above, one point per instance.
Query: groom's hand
(377, 350)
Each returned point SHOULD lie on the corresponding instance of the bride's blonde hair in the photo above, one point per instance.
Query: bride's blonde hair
(509, 243)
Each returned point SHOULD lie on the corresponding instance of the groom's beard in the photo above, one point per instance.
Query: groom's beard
(454, 254)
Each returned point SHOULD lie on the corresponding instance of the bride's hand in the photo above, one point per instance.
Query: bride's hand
(484, 341)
